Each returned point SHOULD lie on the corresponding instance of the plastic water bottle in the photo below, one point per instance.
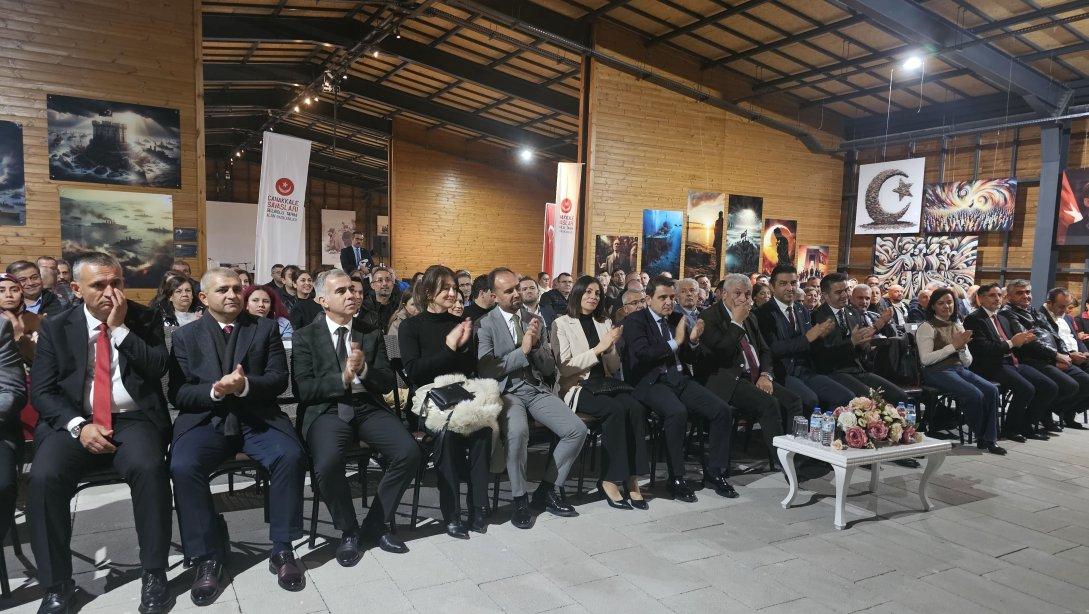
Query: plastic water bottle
(828, 429)
(815, 424)
(909, 416)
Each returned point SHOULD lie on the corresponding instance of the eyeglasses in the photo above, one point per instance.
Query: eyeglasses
(638, 301)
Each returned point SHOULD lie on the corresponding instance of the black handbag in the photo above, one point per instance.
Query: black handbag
(606, 385)
(444, 398)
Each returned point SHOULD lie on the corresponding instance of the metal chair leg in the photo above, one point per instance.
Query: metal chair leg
(5, 587)
(416, 491)
(314, 511)
(495, 492)
(363, 465)
(268, 487)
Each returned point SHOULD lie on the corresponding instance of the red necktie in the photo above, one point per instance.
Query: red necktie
(103, 382)
(227, 330)
(1002, 336)
(750, 357)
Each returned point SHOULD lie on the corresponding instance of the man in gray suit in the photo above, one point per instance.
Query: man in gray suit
(512, 349)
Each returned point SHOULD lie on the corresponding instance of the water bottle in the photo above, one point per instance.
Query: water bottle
(910, 415)
(828, 429)
(815, 424)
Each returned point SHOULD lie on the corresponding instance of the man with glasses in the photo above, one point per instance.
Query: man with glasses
(37, 298)
(355, 256)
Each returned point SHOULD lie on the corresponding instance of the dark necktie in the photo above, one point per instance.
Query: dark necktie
(790, 318)
(750, 357)
(345, 411)
(357, 256)
(1002, 336)
(227, 330)
(842, 317)
(668, 336)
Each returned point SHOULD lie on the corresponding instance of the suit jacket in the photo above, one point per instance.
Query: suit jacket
(789, 346)
(835, 352)
(989, 351)
(1055, 328)
(60, 367)
(1033, 352)
(316, 372)
(646, 352)
(12, 384)
(200, 355)
(575, 357)
(498, 357)
(348, 263)
(51, 305)
(721, 361)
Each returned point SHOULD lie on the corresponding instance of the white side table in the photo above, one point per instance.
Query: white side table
(844, 463)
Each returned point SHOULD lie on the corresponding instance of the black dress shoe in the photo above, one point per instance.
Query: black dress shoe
(1037, 435)
(1071, 423)
(552, 500)
(58, 599)
(991, 447)
(620, 504)
(206, 584)
(288, 574)
(522, 517)
(457, 530)
(154, 598)
(349, 552)
(478, 520)
(639, 504)
(391, 543)
(1015, 437)
(721, 486)
(1051, 427)
(910, 463)
(681, 491)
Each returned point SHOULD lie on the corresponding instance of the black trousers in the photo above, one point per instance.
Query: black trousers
(463, 455)
(773, 411)
(11, 453)
(623, 425)
(1073, 386)
(196, 454)
(1033, 395)
(329, 436)
(59, 463)
(860, 384)
(673, 399)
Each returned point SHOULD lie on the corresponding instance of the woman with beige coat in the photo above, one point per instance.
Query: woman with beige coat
(584, 341)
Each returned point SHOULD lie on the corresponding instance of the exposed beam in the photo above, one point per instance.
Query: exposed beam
(706, 21)
(544, 19)
(985, 61)
(787, 40)
(603, 9)
(228, 143)
(883, 90)
(363, 88)
(223, 152)
(277, 98)
(344, 33)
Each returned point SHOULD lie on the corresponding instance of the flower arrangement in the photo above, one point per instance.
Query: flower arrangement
(870, 422)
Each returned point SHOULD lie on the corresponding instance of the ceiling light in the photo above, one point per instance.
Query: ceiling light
(913, 62)
(525, 154)
(374, 54)
(306, 100)
(238, 154)
(397, 33)
(296, 108)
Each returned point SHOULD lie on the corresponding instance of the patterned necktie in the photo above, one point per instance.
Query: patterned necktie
(842, 317)
(103, 380)
(345, 411)
(750, 358)
(227, 330)
(1002, 336)
(517, 323)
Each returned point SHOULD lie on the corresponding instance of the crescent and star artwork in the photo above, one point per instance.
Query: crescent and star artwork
(890, 197)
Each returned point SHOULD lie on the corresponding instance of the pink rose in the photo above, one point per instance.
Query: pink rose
(903, 414)
(878, 431)
(856, 437)
(835, 414)
(908, 436)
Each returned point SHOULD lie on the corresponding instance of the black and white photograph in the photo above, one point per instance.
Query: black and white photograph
(12, 180)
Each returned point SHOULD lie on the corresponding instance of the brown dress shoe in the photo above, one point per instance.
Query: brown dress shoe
(206, 583)
(288, 574)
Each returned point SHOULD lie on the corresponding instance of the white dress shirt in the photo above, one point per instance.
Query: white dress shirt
(671, 341)
(357, 383)
(1065, 333)
(509, 318)
(787, 312)
(120, 399)
(246, 381)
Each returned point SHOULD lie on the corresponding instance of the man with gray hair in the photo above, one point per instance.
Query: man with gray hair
(340, 376)
(688, 300)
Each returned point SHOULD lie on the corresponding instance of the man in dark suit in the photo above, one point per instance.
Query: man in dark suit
(736, 363)
(1062, 326)
(226, 371)
(657, 342)
(340, 376)
(1047, 354)
(839, 353)
(355, 256)
(994, 337)
(785, 325)
(97, 384)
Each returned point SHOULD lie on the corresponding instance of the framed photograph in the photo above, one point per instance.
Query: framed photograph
(12, 181)
(185, 250)
(744, 233)
(706, 225)
(985, 205)
(187, 235)
(662, 242)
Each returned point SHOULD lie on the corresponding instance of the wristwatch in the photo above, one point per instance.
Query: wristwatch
(75, 430)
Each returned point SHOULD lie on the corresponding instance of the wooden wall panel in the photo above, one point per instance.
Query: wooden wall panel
(141, 51)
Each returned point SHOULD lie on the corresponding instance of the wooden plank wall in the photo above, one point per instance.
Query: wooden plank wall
(141, 51)
(244, 184)
(649, 146)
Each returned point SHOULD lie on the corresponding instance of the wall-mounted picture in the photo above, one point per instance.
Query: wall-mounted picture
(890, 197)
(12, 182)
(100, 141)
(985, 205)
(812, 262)
(188, 235)
(1073, 227)
(134, 227)
(744, 226)
(382, 226)
(779, 244)
(337, 227)
(706, 224)
(662, 242)
(615, 253)
(913, 262)
(185, 250)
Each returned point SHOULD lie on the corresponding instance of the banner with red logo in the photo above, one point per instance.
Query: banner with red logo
(281, 213)
(560, 221)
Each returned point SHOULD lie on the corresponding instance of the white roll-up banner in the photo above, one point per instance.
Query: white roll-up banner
(560, 222)
(281, 212)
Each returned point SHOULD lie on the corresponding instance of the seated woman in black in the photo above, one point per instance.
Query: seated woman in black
(175, 302)
(305, 308)
(584, 342)
(435, 343)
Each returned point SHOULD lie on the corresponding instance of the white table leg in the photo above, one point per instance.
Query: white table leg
(786, 460)
(933, 461)
(875, 476)
(843, 483)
